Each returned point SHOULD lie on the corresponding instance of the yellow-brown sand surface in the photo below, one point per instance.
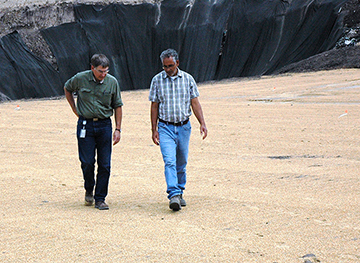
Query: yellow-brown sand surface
(277, 179)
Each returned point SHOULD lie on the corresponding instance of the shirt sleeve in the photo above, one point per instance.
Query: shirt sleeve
(117, 101)
(153, 91)
(70, 84)
(194, 92)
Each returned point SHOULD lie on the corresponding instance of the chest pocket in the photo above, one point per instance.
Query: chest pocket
(85, 94)
(105, 98)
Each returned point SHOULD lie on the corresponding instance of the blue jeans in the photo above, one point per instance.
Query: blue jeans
(98, 140)
(174, 145)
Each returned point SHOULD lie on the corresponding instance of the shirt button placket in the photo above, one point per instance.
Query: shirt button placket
(174, 99)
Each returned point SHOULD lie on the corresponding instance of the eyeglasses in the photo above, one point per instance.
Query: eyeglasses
(102, 71)
(168, 66)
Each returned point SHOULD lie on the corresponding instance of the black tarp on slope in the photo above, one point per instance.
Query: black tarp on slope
(3, 97)
(128, 47)
(70, 46)
(263, 36)
(204, 36)
(136, 37)
(169, 29)
(34, 77)
(316, 32)
(260, 37)
(102, 30)
(10, 85)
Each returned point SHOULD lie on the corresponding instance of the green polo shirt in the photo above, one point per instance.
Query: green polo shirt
(94, 99)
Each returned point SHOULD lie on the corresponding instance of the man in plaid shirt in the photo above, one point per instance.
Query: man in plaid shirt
(173, 93)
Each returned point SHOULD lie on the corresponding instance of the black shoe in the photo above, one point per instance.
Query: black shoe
(175, 203)
(182, 201)
(89, 198)
(101, 205)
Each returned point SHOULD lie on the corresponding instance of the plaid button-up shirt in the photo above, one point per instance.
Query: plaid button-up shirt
(174, 95)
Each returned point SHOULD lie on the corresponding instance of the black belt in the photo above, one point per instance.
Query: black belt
(174, 123)
(92, 119)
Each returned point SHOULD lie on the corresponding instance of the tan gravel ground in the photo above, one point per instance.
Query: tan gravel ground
(277, 179)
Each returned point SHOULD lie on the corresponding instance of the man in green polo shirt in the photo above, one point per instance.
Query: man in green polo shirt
(98, 97)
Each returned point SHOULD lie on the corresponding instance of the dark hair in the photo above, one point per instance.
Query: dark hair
(169, 53)
(100, 60)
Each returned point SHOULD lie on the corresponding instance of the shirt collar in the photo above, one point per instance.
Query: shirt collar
(179, 74)
(92, 78)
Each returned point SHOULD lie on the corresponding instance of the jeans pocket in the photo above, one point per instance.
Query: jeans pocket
(161, 124)
(187, 126)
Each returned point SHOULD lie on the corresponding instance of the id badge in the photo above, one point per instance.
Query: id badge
(82, 133)
(83, 130)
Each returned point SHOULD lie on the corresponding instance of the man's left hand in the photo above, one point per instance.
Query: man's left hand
(203, 131)
(116, 137)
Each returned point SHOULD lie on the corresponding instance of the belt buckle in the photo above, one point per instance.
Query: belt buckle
(95, 119)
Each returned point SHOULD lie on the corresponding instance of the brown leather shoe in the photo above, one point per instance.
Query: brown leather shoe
(89, 198)
(101, 205)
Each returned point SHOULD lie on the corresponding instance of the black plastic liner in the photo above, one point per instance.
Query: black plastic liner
(215, 40)
(23, 75)
(70, 46)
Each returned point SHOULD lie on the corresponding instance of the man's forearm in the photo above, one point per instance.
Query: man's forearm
(70, 98)
(154, 115)
(118, 117)
(196, 106)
